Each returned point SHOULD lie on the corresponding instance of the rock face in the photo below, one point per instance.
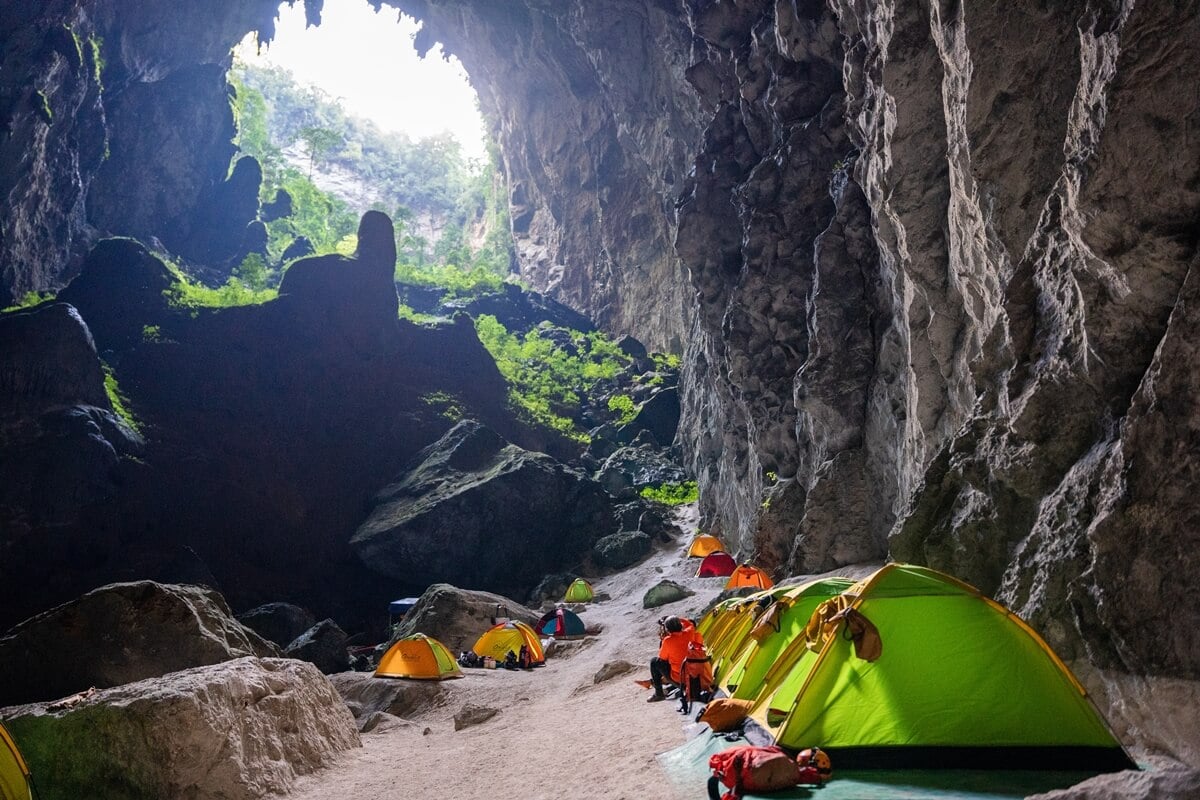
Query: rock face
(942, 275)
(456, 617)
(119, 634)
(324, 645)
(233, 731)
(477, 511)
(280, 623)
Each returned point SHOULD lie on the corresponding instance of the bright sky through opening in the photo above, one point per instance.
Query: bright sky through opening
(367, 61)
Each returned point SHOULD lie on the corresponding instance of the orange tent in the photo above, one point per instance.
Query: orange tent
(746, 575)
(420, 657)
(704, 544)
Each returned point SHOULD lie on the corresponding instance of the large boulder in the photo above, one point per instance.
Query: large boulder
(628, 470)
(118, 634)
(620, 550)
(456, 617)
(658, 416)
(476, 511)
(366, 696)
(324, 644)
(280, 623)
(233, 731)
(60, 442)
(121, 288)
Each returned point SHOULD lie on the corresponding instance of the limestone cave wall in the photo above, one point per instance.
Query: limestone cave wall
(937, 261)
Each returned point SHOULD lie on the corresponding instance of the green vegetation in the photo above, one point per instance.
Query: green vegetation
(424, 185)
(43, 107)
(29, 300)
(446, 404)
(665, 361)
(451, 280)
(94, 45)
(189, 294)
(672, 494)
(118, 400)
(546, 380)
(622, 405)
(151, 333)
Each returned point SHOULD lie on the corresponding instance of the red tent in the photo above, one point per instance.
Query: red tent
(716, 565)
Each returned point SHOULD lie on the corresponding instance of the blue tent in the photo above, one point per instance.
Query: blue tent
(561, 623)
(401, 607)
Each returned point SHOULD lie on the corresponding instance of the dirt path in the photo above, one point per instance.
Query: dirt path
(558, 735)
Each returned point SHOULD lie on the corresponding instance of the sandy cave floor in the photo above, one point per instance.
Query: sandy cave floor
(558, 734)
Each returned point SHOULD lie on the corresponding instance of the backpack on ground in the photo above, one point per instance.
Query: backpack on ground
(750, 768)
(696, 676)
(725, 713)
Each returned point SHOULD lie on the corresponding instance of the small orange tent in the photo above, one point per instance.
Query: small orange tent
(704, 544)
(746, 575)
(505, 637)
(420, 657)
(14, 772)
(716, 565)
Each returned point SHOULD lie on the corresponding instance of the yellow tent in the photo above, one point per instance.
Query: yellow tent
(419, 657)
(746, 575)
(14, 774)
(505, 637)
(703, 545)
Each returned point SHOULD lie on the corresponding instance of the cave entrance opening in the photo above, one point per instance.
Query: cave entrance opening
(346, 117)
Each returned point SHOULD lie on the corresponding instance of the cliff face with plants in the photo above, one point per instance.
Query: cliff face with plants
(929, 263)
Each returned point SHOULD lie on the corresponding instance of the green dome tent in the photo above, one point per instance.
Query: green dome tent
(580, 591)
(961, 681)
(14, 774)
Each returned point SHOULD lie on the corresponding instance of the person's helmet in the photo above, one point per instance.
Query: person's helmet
(818, 759)
(673, 624)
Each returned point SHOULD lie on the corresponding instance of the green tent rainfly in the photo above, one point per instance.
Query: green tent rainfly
(961, 681)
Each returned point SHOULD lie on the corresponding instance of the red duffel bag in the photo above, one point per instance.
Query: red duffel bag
(751, 769)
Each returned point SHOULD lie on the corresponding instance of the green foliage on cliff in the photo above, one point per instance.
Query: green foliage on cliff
(672, 494)
(28, 300)
(118, 400)
(188, 294)
(547, 379)
(622, 405)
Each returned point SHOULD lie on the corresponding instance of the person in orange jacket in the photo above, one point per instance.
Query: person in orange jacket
(676, 634)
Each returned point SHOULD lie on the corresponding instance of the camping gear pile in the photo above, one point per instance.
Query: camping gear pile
(908, 667)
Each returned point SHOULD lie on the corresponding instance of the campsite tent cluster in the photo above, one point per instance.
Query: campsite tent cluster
(716, 563)
(421, 657)
(907, 667)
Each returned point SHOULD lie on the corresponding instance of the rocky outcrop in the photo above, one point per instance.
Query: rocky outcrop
(62, 447)
(119, 634)
(601, 131)
(280, 623)
(474, 510)
(86, 90)
(323, 645)
(456, 617)
(234, 731)
(621, 550)
(367, 696)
